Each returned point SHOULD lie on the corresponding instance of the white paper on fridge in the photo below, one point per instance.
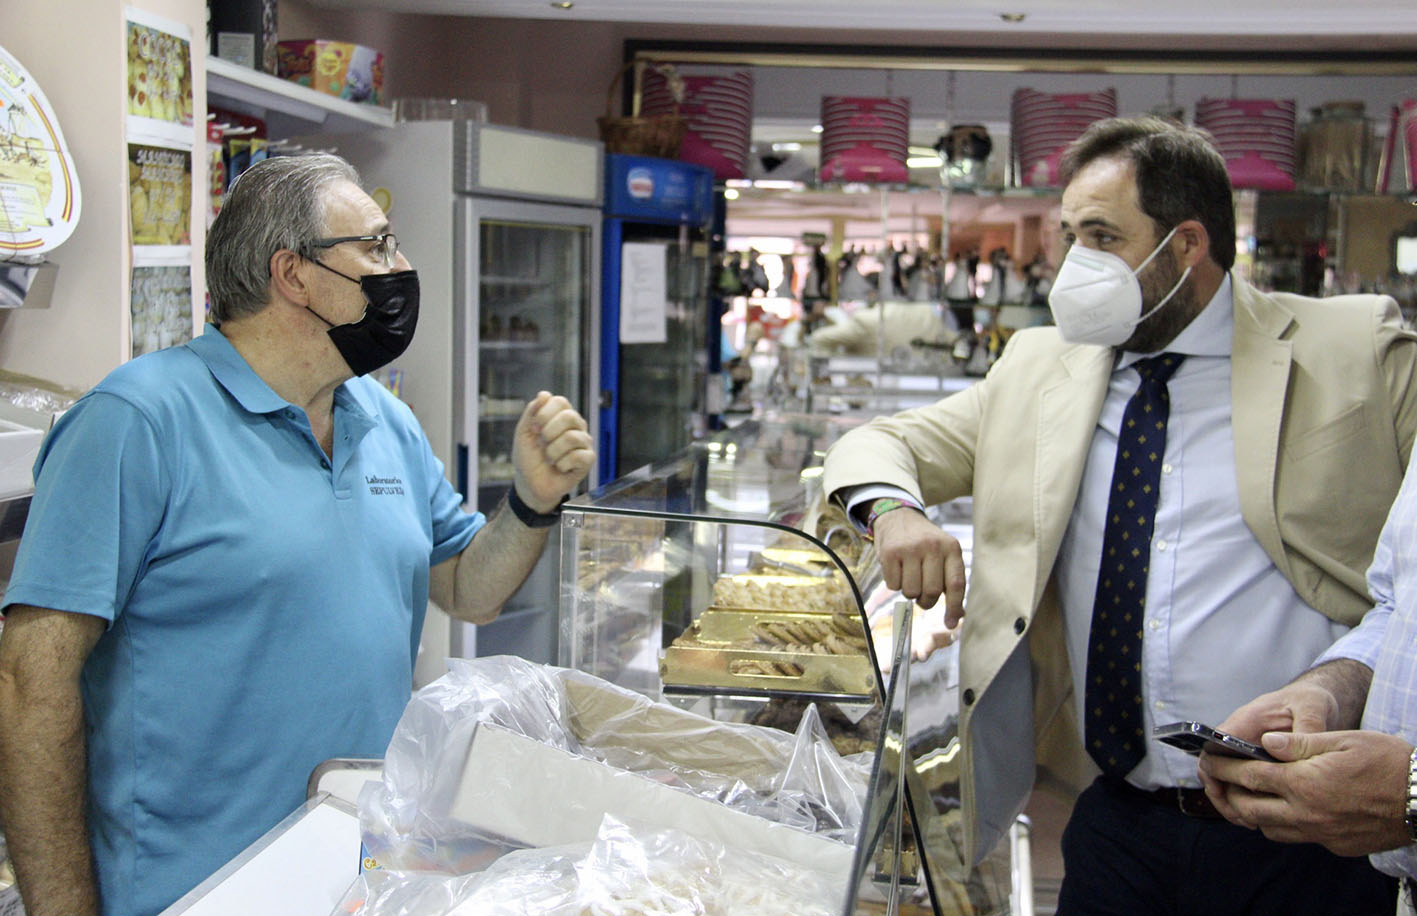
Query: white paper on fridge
(529, 793)
(644, 292)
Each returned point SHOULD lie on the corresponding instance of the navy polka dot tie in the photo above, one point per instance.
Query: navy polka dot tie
(1113, 719)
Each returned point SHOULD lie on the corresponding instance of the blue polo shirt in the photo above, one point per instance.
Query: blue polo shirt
(264, 601)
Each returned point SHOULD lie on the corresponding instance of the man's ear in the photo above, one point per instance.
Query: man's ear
(288, 277)
(1195, 242)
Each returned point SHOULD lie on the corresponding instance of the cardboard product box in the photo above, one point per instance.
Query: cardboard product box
(566, 798)
(244, 32)
(520, 790)
(338, 68)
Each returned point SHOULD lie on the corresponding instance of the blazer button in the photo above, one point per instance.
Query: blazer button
(1020, 625)
(969, 696)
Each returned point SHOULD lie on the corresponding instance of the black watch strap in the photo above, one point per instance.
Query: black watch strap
(529, 516)
(1411, 813)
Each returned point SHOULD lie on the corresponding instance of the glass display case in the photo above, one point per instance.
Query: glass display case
(722, 581)
(870, 386)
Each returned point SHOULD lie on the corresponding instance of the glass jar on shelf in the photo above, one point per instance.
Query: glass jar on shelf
(1333, 147)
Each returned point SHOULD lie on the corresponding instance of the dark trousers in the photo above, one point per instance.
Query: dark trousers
(1125, 854)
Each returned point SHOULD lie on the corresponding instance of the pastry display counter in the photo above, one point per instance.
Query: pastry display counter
(722, 582)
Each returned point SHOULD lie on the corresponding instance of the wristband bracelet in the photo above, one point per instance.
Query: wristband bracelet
(529, 516)
(883, 505)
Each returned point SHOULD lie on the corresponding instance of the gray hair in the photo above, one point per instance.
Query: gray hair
(276, 204)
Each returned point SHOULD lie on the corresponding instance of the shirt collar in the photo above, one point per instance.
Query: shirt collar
(1211, 333)
(234, 374)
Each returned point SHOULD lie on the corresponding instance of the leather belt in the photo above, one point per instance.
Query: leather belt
(1190, 802)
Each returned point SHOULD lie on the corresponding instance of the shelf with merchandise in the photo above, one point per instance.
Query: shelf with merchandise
(513, 345)
(288, 108)
(509, 280)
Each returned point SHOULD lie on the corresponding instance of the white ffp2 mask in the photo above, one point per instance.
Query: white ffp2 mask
(1096, 298)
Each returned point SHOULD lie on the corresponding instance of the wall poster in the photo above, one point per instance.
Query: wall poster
(161, 138)
(161, 306)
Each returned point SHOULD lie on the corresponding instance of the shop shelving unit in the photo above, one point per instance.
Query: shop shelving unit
(288, 108)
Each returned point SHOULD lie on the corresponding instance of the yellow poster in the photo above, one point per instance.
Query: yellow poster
(159, 74)
(159, 194)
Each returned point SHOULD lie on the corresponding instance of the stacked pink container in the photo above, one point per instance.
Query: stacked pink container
(1256, 137)
(719, 114)
(1043, 124)
(865, 139)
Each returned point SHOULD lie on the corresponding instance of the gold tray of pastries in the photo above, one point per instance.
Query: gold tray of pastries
(829, 594)
(804, 558)
(745, 648)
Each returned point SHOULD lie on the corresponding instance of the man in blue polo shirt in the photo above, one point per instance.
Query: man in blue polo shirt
(228, 556)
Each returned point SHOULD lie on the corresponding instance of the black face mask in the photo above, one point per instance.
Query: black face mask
(386, 329)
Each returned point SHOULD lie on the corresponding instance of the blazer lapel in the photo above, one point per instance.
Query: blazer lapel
(1260, 363)
(1067, 417)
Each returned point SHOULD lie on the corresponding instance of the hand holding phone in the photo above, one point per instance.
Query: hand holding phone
(1193, 737)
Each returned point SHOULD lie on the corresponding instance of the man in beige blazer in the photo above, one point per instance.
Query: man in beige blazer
(1255, 568)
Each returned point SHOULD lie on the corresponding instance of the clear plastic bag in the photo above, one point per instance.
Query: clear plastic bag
(629, 870)
(637, 871)
(408, 821)
(521, 883)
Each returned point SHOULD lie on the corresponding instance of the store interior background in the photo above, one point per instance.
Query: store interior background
(551, 73)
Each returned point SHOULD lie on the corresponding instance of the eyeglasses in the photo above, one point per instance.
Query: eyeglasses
(387, 249)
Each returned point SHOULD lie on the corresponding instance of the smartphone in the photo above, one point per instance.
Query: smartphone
(1193, 737)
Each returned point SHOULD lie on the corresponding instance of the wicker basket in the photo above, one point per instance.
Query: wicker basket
(657, 135)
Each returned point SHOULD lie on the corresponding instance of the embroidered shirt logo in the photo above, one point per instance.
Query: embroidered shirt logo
(384, 486)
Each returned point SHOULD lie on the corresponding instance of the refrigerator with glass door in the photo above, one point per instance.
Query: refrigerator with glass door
(503, 226)
(656, 330)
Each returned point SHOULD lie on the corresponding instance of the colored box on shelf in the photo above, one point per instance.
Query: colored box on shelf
(718, 110)
(338, 68)
(864, 139)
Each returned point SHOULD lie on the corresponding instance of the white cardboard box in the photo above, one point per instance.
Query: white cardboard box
(532, 794)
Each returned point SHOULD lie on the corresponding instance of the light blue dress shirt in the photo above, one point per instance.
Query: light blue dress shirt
(1386, 641)
(1222, 623)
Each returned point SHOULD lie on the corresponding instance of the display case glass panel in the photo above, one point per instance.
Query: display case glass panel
(721, 580)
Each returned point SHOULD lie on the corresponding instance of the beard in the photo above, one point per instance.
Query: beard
(1158, 330)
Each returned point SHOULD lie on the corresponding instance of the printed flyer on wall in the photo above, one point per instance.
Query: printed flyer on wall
(39, 187)
(159, 80)
(159, 195)
(161, 306)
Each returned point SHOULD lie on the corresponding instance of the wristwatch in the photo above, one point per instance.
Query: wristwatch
(1411, 816)
(883, 505)
(529, 516)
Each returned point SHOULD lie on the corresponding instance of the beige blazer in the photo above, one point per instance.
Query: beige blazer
(1324, 411)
